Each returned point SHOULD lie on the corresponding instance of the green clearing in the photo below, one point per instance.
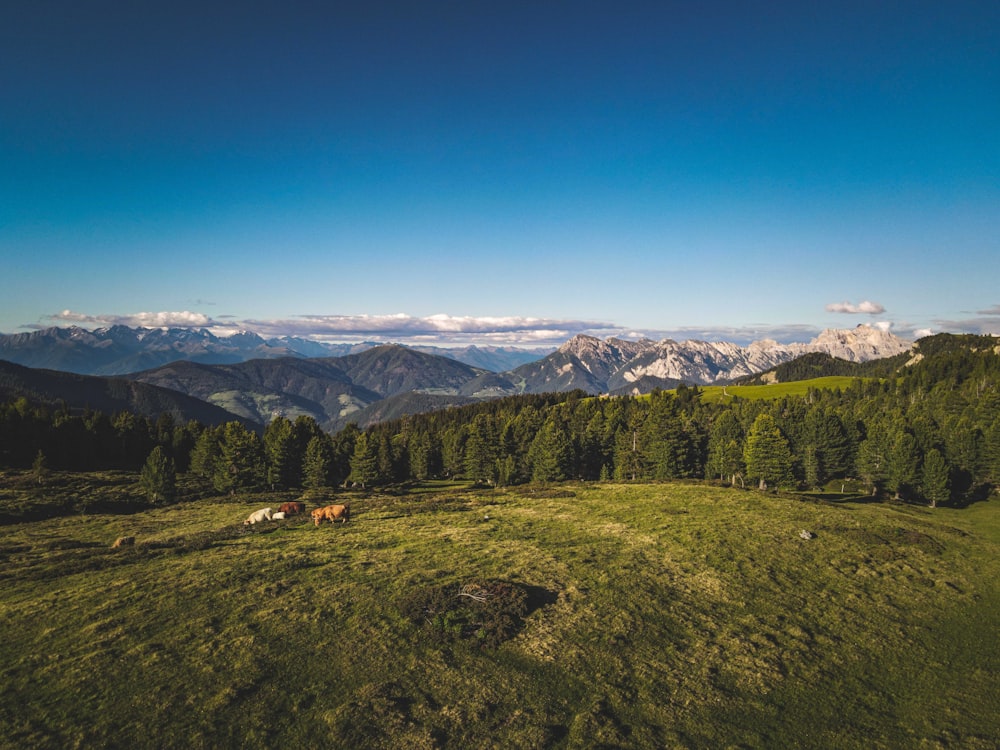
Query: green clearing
(672, 615)
(714, 394)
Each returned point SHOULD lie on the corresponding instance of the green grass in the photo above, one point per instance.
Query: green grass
(712, 394)
(674, 615)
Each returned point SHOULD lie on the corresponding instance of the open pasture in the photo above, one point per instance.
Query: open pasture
(713, 394)
(672, 615)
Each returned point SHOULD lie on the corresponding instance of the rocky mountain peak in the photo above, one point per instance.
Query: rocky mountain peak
(859, 344)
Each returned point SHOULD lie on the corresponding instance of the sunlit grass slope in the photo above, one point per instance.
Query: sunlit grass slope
(658, 616)
(721, 394)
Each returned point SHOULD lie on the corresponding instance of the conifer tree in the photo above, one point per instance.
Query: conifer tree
(767, 455)
(481, 450)
(158, 477)
(206, 453)
(280, 453)
(364, 461)
(725, 447)
(935, 478)
(873, 457)
(240, 465)
(663, 439)
(551, 453)
(317, 467)
(904, 466)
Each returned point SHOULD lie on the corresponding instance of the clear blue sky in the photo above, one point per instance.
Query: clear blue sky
(520, 170)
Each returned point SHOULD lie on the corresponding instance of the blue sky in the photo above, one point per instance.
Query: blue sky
(509, 173)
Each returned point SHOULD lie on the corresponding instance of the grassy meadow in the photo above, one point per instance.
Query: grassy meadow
(714, 394)
(651, 616)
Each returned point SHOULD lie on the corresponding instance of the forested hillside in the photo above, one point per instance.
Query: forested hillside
(930, 432)
(822, 365)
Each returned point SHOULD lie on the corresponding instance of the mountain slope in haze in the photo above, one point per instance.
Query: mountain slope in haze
(491, 358)
(333, 391)
(260, 390)
(120, 350)
(107, 395)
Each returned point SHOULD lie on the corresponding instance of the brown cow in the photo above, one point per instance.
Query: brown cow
(333, 512)
(292, 508)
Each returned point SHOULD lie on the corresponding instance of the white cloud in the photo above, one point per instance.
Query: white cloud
(732, 334)
(446, 330)
(439, 327)
(866, 308)
(183, 319)
(995, 310)
(987, 325)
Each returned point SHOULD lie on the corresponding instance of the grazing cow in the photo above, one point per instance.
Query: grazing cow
(264, 514)
(292, 508)
(333, 512)
(280, 515)
(123, 541)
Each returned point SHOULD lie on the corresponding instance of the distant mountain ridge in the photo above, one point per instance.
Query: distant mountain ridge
(387, 381)
(620, 367)
(121, 350)
(331, 390)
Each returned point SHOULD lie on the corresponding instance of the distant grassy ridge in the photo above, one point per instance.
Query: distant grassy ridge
(661, 615)
(714, 394)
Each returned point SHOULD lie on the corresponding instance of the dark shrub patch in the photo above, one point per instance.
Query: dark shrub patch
(486, 613)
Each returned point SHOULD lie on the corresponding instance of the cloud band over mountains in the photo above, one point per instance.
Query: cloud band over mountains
(440, 329)
(462, 330)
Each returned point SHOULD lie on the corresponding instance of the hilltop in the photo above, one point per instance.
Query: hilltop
(664, 615)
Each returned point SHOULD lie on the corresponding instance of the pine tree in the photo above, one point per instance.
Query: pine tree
(627, 455)
(904, 466)
(663, 439)
(725, 448)
(767, 455)
(935, 478)
(481, 451)
(551, 453)
(317, 467)
(811, 467)
(279, 451)
(364, 461)
(158, 478)
(240, 465)
(344, 443)
(206, 453)
(873, 457)
(826, 434)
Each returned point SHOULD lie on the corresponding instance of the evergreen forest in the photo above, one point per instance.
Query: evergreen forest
(928, 432)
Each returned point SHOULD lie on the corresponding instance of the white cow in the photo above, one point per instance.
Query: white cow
(264, 514)
(278, 516)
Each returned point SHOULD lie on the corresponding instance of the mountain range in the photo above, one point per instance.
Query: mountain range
(377, 382)
(120, 350)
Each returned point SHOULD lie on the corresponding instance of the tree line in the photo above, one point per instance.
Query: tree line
(930, 433)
